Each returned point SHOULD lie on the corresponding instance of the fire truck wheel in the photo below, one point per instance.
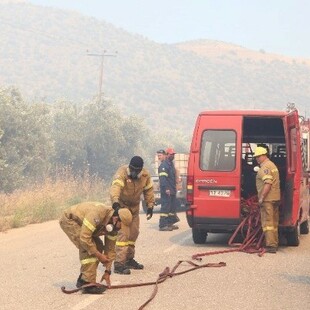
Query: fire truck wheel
(292, 236)
(304, 228)
(199, 236)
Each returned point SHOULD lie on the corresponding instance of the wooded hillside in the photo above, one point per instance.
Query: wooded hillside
(43, 53)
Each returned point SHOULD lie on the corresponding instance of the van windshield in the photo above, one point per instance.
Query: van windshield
(218, 150)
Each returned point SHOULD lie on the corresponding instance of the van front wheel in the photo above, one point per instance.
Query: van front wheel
(199, 236)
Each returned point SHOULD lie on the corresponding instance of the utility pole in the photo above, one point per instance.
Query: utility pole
(102, 55)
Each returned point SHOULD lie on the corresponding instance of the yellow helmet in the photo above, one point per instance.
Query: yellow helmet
(260, 151)
(125, 216)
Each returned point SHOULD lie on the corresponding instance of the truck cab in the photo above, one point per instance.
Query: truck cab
(221, 172)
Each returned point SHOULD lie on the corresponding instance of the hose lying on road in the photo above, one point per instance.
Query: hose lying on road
(249, 228)
(167, 273)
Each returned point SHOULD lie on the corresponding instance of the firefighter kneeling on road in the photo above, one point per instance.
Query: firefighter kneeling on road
(129, 182)
(84, 223)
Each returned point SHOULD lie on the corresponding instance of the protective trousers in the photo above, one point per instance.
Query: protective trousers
(126, 238)
(270, 222)
(89, 263)
(167, 209)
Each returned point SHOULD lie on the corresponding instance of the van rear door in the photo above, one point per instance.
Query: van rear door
(294, 168)
(216, 188)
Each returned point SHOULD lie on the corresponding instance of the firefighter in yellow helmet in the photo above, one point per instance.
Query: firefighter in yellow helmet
(84, 223)
(129, 182)
(268, 191)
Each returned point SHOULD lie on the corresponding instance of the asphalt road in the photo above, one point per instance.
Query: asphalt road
(38, 259)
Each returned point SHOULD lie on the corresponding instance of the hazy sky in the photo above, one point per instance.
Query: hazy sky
(277, 26)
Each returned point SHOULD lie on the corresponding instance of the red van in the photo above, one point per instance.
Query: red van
(221, 170)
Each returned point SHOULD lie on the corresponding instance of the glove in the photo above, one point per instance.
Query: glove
(102, 258)
(149, 213)
(106, 277)
(116, 206)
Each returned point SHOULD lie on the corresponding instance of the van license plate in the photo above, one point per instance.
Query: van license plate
(219, 193)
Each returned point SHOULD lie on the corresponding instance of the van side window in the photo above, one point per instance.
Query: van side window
(218, 150)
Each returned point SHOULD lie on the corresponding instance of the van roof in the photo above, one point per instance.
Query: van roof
(245, 112)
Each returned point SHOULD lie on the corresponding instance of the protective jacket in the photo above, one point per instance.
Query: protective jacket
(268, 174)
(91, 217)
(127, 191)
(167, 176)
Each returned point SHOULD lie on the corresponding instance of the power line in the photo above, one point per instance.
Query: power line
(102, 55)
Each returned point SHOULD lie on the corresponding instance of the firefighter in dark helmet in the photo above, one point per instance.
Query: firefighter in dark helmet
(84, 223)
(129, 182)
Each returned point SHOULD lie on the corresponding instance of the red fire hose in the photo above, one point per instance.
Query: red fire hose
(163, 276)
(250, 229)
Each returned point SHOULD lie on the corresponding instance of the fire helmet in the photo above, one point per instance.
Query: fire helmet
(125, 216)
(260, 151)
(170, 151)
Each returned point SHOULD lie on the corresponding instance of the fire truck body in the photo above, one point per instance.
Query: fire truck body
(221, 169)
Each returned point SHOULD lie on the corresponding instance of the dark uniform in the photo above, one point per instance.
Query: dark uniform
(269, 174)
(167, 180)
(127, 192)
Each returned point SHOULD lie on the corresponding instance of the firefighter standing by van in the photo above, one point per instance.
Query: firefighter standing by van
(268, 190)
(129, 182)
(161, 155)
(167, 181)
(84, 223)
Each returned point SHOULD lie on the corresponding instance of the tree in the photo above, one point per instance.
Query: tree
(25, 145)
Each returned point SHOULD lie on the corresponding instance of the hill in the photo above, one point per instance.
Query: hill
(43, 52)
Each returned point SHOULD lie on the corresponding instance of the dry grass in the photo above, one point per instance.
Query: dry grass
(46, 201)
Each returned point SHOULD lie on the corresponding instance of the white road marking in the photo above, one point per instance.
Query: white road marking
(83, 304)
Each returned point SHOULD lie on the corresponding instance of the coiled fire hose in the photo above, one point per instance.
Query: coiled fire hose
(250, 229)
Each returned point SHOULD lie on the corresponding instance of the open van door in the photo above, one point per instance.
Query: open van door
(293, 182)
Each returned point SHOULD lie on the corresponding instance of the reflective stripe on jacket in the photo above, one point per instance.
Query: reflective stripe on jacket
(128, 191)
(167, 176)
(92, 217)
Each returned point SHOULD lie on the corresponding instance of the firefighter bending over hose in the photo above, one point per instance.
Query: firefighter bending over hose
(84, 223)
(268, 190)
(129, 182)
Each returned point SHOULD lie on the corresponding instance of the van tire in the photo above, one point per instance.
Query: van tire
(304, 227)
(292, 237)
(199, 236)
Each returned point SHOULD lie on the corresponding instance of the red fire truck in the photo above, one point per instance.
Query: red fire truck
(221, 169)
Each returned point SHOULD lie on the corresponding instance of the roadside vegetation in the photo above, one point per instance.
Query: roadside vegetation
(53, 155)
(45, 201)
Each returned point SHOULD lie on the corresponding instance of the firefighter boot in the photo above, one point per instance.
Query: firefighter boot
(133, 264)
(80, 282)
(94, 289)
(271, 249)
(121, 268)
(176, 219)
